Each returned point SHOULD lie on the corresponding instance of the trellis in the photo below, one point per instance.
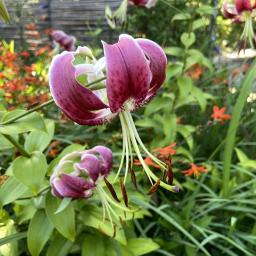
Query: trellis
(80, 18)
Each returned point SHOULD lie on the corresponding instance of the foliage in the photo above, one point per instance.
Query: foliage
(213, 214)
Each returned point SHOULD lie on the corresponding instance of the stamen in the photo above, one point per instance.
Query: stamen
(134, 137)
(124, 193)
(132, 125)
(111, 190)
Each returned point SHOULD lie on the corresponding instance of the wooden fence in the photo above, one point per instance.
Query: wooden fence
(30, 19)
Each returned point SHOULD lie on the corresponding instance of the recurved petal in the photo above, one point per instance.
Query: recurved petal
(72, 186)
(128, 72)
(106, 158)
(90, 164)
(158, 62)
(77, 102)
(229, 11)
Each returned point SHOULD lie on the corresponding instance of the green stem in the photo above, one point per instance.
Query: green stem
(28, 112)
(17, 145)
(231, 134)
(95, 86)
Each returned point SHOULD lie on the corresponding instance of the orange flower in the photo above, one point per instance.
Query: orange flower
(166, 151)
(219, 114)
(24, 54)
(195, 170)
(148, 161)
(195, 72)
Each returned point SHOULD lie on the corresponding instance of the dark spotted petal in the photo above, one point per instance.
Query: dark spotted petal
(158, 62)
(128, 73)
(145, 3)
(244, 5)
(77, 102)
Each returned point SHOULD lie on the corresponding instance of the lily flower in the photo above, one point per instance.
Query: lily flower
(195, 170)
(242, 11)
(219, 114)
(65, 41)
(89, 169)
(144, 3)
(135, 70)
(93, 165)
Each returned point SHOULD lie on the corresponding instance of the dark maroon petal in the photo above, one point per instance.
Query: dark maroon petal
(128, 73)
(76, 101)
(91, 165)
(146, 3)
(244, 5)
(158, 62)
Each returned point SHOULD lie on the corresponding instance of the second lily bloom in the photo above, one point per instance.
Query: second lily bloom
(135, 70)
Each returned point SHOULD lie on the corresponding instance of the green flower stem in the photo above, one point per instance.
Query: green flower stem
(16, 145)
(95, 86)
(47, 103)
(232, 130)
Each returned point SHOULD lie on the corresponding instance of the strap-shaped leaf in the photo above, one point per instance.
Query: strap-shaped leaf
(3, 12)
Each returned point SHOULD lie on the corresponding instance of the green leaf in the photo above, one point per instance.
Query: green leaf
(174, 51)
(185, 84)
(205, 10)
(199, 23)
(174, 70)
(89, 248)
(156, 104)
(13, 237)
(141, 246)
(63, 221)
(39, 140)
(93, 217)
(59, 246)
(4, 143)
(244, 160)
(188, 39)
(30, 171)
(11, 190)
(181, 16)
(64, 203)
(39, 232)
(186, 132)
(3, 12)
(10, 249)
(31, 122)
(233, 126)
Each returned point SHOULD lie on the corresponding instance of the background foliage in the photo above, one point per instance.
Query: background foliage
(212, 215)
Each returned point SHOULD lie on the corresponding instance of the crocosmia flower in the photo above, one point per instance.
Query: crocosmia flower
(88, 168)
(195, 170)
(242, 11)
(93, 92)
(145, 3)
(65, 41)
(220, 115)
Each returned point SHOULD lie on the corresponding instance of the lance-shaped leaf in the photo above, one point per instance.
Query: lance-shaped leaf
(3, 12)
